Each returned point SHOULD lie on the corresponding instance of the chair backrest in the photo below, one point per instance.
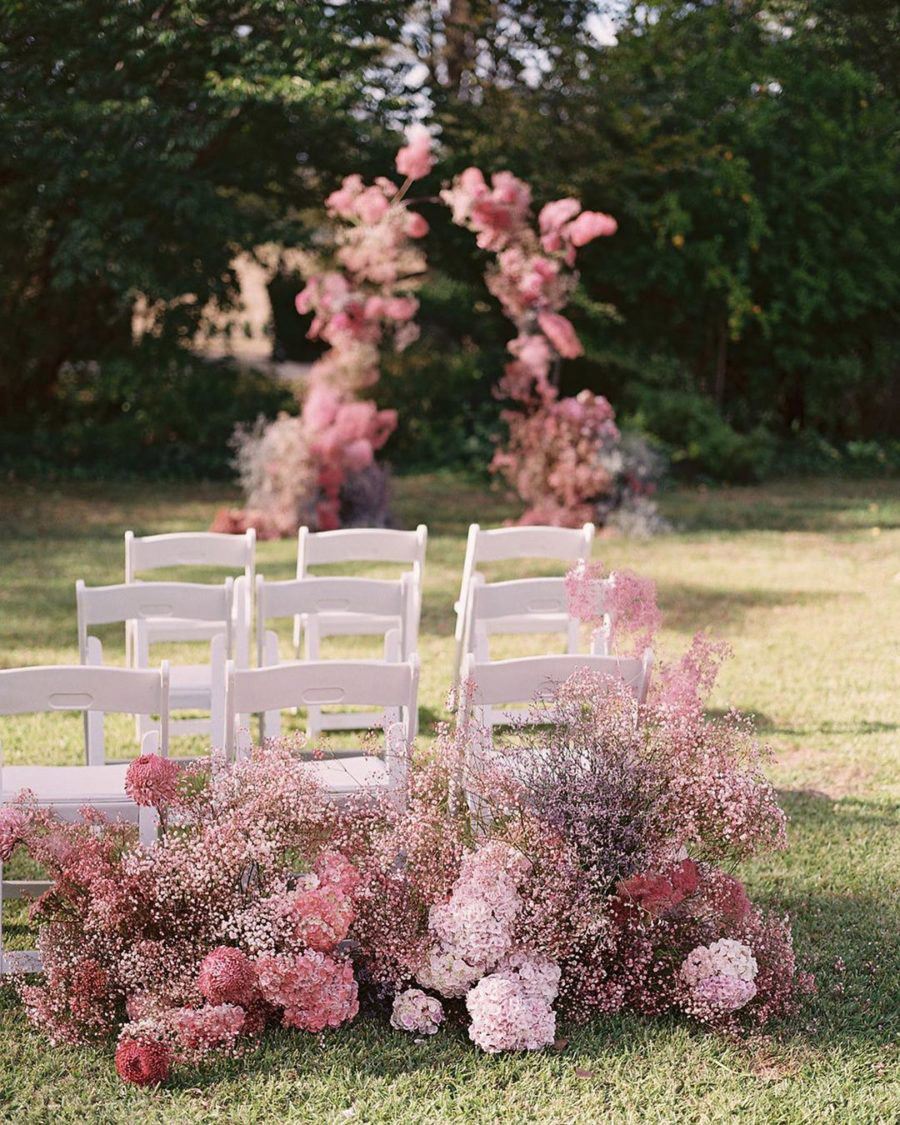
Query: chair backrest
(490, 683)
(372, 683)
(190, 548)
(310, 596)
(564, 544)
(145, 601)
(361, 544)
(89, 690)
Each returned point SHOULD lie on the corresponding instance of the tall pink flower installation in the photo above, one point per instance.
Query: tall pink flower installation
(554, 455)
(296, 470)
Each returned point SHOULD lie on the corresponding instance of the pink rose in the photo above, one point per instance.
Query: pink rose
(559, 331)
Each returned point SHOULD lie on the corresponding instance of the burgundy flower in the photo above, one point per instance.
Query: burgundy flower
(143, 1063)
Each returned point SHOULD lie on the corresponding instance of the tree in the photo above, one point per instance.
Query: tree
(143, 144)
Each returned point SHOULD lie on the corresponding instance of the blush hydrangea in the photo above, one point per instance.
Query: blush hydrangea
(416, 1011)
(507, 1016)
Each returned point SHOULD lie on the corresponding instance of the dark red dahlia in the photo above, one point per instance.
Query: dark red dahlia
(143, 1062)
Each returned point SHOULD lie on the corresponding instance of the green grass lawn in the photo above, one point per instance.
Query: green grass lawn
(804, 580)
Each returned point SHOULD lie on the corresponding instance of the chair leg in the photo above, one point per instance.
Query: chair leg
(148, 824)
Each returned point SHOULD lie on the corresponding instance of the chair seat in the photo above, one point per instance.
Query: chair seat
(336, 624)
(530, 623)
(62, 785)
(190, 686)
(179, 629)
(343, 776)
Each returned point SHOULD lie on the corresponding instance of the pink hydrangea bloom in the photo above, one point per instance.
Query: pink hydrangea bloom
(726, 957)
(446, 972)
(334, 869)
(314, 991)
(414, 159)
(152, 780)
(722, 993)
(211, 1028)
(415, 1011)
(320, 916)
(227, 976)
(559, 331)
(505, 1016)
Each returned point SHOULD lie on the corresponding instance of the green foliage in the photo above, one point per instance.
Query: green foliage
(143, 144)
(152, 413)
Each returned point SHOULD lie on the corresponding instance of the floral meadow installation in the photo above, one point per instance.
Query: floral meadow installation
(590, 869)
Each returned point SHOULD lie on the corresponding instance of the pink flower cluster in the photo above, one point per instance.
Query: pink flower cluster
(511, 1009)
(623, 601)
(314, 991)
(205, 936)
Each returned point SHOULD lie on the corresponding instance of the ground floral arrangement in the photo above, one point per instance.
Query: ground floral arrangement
(589, 870)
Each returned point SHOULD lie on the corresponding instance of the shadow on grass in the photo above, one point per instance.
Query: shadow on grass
(765, 724)
(690, 607)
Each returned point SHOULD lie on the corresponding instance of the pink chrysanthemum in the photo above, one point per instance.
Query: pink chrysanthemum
(227, 976)
(152, 780)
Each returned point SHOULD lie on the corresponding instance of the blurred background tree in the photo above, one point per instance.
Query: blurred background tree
(745, 313)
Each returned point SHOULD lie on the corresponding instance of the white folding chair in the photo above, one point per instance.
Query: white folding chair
(560, 544)
(527, 605)
(199, 687)
(311, 599)
(208, 549)
(488, 683)
(67, 789)
(391, 687)
(363, 544)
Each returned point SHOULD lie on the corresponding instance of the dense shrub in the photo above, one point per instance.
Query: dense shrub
(154, 412)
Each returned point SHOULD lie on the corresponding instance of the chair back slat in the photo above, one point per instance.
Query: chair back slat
(521, 597)
(563, 543)
(489, 683)
(363, 544)
(138, 601)
(194, 548)
(329, 595)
